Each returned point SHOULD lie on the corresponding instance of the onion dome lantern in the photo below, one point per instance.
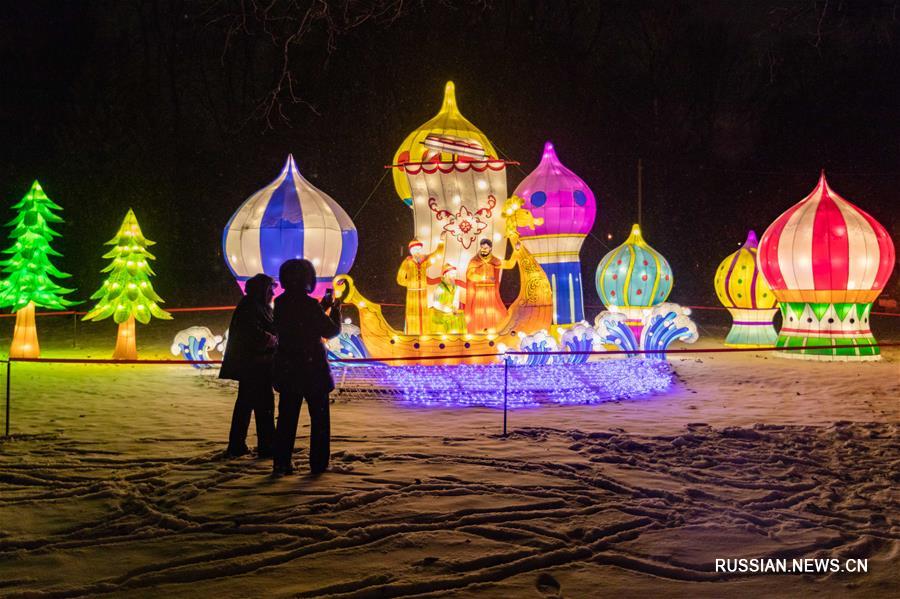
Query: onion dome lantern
(289, 218)
(568, 208)
(447, 137)
(632, 278)
(743, 290)
(826, 261)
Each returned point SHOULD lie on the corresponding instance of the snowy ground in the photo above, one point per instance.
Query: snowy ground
(113, 485)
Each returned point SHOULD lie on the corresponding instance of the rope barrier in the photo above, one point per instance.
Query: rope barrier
(505, 355)
(387, 304)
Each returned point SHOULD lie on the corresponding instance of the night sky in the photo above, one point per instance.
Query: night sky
(159, 106)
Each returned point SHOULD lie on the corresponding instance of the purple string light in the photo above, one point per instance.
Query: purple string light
(529, 386)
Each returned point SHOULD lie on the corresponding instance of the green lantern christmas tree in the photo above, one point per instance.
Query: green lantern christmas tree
(127, 294)
(28, 269)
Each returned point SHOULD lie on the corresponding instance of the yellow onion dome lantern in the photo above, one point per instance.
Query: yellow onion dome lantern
(743, 290)
(451, 138)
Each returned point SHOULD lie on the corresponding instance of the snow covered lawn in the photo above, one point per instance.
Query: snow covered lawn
(113, 485)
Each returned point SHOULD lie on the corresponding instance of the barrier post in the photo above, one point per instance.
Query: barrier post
(343, 378)
(8, 371)
(505, 389)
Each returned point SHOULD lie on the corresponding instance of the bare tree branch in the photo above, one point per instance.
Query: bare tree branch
(288, 25)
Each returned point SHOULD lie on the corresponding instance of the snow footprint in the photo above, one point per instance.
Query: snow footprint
(547, 585)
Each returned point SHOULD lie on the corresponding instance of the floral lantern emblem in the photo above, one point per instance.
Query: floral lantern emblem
(751, 302)
(632, 278)
(289, 218)
(826, 261)
(567, 205)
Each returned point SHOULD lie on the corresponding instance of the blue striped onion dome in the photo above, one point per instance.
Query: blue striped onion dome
(634, 275)
(289, 218)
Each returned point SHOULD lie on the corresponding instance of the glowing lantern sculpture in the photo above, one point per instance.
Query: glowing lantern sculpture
(453, 138)
(457, 188)
(567, 205)
(748, 297)
(127, 294)
(632, 278)
(826, 261)
(29, 269)
(289, 218)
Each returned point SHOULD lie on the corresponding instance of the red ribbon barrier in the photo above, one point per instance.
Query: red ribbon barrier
(223, 308)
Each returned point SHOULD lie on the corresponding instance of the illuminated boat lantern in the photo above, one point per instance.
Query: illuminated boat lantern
(289, 218)
(447, 171)
(531, 311)
(633, 278)
(826, 261)
(568, 207)
(744, 292)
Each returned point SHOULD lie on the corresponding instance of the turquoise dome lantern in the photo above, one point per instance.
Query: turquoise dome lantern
(633, 277)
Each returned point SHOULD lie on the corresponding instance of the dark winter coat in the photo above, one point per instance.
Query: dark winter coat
(250, 340)
(301, 362)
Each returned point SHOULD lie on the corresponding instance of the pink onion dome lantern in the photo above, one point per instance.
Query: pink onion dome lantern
(289, 218)
(744, 292)
(568, 207)
(633, 278)
(826, 261)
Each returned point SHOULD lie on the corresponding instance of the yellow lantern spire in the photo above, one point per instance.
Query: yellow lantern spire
(447, 122)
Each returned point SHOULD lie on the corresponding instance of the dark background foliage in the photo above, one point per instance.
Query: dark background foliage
(181, 110)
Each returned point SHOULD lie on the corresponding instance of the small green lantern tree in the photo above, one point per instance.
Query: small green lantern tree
(127, 294)
(28, 269)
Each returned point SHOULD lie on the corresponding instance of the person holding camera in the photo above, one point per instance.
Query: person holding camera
(300, 366)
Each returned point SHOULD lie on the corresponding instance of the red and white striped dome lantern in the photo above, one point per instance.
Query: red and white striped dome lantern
(826, 261)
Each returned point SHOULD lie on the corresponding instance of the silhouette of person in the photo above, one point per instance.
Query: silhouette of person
(301, 365)
(248, 360)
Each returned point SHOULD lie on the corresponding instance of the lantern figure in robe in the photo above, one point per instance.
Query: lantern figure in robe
(751, 302)
(826, 261)
(567, 205)
(453, 138)
(289, 218)
(457, 189)
(633, 278)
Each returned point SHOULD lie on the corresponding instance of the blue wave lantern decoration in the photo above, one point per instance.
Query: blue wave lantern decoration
(535, 345)
(347, 345)
(665, 324)
(581, 337)
(662, 326)
(194, 343)
(613, 329)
